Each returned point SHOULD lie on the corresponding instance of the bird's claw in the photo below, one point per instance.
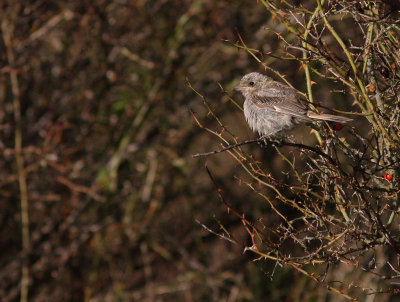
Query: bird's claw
(276, 142)
(264, 141)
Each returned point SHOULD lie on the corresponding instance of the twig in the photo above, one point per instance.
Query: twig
(50, 24)
(222, 236)
(261, 140)
(313, 149)
(7, 29)
(250, 141)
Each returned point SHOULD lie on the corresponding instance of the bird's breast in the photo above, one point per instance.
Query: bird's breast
(266, 122)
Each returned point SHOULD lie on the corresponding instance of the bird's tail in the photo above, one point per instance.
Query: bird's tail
(328, 117)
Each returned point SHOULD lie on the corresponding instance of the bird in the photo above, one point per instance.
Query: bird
(272, 108)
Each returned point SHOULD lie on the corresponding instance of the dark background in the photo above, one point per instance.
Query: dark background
(115, 198)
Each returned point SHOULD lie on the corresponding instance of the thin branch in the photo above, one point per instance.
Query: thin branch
(7, 29)
(250, 141)
(262, 140)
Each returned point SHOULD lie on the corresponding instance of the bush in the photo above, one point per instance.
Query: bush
(336, 205)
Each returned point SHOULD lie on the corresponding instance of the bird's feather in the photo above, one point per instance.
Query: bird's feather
(279, 100)
(328, 117)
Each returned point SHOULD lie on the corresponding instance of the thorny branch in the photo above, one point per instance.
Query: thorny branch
(263, 141)
(342, 205)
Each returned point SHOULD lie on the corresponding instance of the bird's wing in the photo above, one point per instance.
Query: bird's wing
(280, 99)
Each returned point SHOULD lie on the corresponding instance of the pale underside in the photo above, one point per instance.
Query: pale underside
(273, 111)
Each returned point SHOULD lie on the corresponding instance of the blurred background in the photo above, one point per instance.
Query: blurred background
(114, 202)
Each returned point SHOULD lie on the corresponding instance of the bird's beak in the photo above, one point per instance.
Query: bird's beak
(237, 88)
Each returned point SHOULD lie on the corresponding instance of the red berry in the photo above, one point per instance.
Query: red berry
(388, 177)
(338, 127)
(372, 88)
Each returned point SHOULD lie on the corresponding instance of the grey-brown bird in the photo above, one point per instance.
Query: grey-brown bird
(271, 108)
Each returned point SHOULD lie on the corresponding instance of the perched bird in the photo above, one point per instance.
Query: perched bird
(271, 108)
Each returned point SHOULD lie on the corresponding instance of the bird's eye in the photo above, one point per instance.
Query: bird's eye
(251, 83)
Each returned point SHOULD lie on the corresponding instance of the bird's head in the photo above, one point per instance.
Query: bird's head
(251, 82)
